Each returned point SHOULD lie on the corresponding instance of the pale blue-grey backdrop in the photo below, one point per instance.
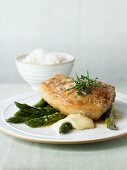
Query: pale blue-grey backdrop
(94, 31)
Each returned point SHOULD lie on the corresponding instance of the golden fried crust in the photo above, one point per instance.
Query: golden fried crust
(93, 105)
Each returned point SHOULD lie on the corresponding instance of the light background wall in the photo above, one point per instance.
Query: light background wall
(94, 31)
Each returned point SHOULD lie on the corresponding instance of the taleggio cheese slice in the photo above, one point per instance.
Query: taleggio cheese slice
(78, 122)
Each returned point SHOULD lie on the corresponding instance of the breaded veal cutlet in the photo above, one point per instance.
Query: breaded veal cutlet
(54, 91)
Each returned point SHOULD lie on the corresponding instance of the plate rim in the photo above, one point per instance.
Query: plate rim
(23, 137)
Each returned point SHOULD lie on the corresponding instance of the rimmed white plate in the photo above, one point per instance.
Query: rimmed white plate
(48, 135)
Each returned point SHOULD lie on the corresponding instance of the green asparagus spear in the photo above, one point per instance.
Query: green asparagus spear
(20, 119)
(15, 120)
(21, 113)
(31, 110)
(45, 120)
(109, 119)
(23, 118)
(42, 103)
(49, 108)
(65, 128)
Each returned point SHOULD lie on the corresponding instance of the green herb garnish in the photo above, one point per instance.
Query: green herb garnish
(84, 84)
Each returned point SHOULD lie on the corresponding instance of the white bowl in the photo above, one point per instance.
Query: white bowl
(35, 74)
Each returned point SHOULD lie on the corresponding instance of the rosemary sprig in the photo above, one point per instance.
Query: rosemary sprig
(84, 84)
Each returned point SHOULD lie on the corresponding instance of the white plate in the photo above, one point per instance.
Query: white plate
(48, 135)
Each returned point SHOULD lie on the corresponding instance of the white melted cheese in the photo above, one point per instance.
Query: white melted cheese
(78, 122)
